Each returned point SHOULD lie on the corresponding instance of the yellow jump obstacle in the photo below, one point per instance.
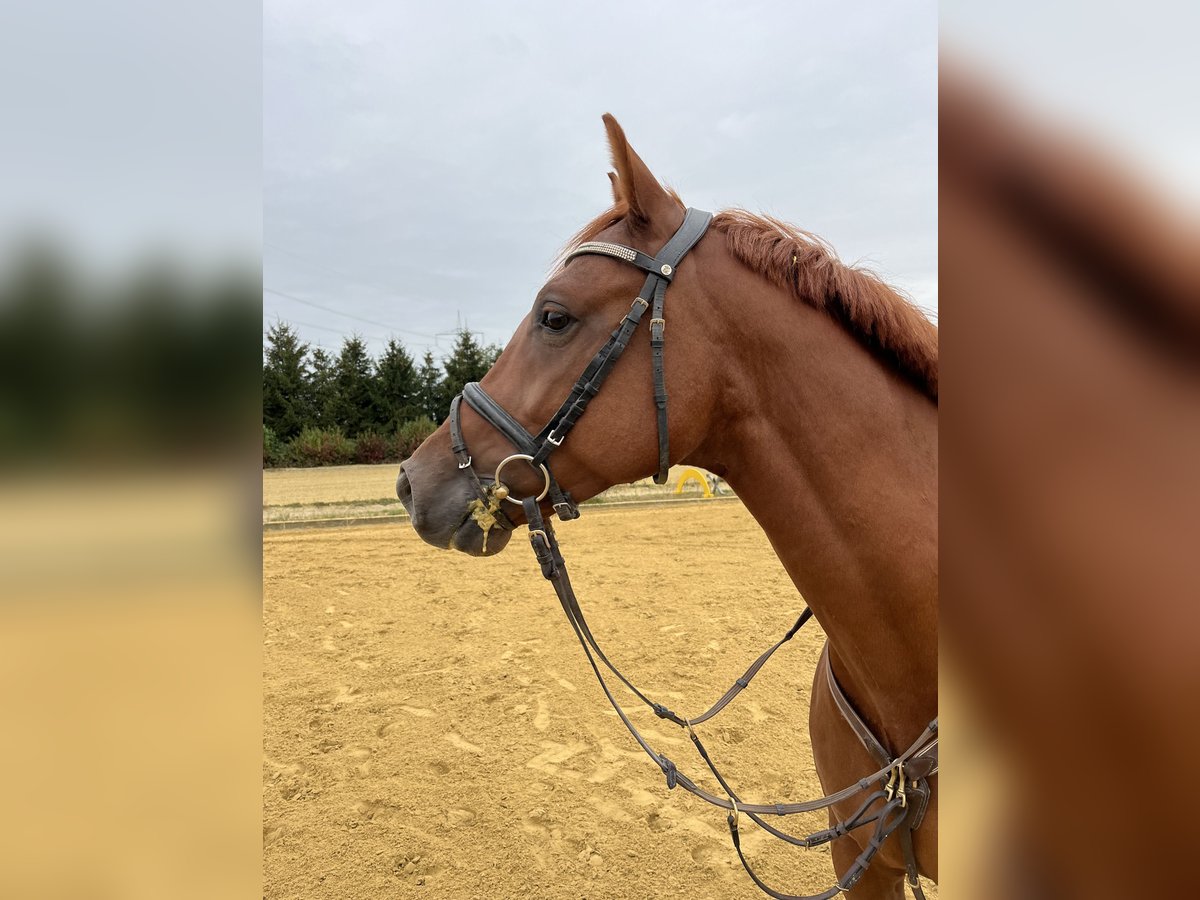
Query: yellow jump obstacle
(695, 475)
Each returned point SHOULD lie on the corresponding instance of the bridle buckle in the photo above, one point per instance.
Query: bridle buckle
(897, 785)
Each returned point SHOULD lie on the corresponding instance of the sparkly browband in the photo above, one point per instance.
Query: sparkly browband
(605, 249)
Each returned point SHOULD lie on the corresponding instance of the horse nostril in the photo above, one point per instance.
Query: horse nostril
(403, 488)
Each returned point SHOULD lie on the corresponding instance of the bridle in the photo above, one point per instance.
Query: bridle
(899, 789)
(536, 449)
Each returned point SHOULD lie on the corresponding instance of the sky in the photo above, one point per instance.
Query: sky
(423, 163)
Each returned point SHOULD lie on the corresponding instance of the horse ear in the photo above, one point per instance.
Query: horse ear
(616, 188)
(635, 185)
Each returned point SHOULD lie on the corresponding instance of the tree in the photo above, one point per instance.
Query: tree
(468, 361)
(397, 395)
(492, 353)
(321, 389)
(429, 385)
(353, 388)
(285, 401)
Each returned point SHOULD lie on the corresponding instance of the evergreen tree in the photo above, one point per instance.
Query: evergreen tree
(468, 361)
(285, 400)
(321, 389)
(353, 388)
(429, 380)
(492, 353)
(397, 396)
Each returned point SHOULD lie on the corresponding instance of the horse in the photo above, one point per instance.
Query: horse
(809, 386)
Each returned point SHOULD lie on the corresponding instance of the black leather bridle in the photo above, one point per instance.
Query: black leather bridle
(536, 449)
(899, 789)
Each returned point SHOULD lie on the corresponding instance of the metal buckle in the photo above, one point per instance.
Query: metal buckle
(628, 317)
(897, 785)
(550, 438)
(529, 459)
(537, 532)
(465, 465)
(662, 326)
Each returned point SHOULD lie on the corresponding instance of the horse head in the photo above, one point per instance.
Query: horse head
(571, 318)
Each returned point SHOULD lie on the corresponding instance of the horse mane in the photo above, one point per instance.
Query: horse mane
(882, 319)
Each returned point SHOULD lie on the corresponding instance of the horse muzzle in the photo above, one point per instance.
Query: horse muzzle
(441, 513)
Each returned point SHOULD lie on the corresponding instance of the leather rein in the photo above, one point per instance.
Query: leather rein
(899, 788)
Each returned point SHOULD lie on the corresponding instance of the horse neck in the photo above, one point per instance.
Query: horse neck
(836, 457)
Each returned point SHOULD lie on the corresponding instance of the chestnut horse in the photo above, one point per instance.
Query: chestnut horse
(808, 385)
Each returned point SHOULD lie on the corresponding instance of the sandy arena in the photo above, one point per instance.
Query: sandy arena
(432, 728)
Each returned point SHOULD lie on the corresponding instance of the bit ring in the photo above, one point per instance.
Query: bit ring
(529, 459)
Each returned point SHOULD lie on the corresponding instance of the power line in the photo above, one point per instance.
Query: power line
(343, 334)
(320, 267)
(338, 312)
(336, 331)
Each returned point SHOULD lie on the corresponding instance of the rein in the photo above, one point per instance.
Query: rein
(899, 787)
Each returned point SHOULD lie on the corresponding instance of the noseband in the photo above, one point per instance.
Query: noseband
(895, 797)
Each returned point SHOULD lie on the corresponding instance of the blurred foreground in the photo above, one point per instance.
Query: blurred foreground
(129, 626)
(130, 355)
(1070, 431)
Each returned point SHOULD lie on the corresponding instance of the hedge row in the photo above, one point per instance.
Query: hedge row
(321, 447)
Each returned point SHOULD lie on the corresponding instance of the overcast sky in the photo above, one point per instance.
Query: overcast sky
(424, 162)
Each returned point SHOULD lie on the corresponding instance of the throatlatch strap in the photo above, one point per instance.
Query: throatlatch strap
(695, 224)
(660, 272)
(658, 326)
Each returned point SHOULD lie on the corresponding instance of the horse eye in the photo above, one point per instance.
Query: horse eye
(555, 320)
